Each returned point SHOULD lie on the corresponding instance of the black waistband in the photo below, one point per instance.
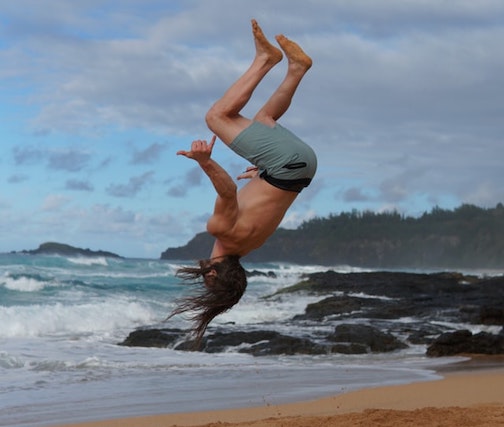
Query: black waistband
(295, 185)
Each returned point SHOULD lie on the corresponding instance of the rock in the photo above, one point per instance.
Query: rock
(447, 296)
(421, 333)
(492, 315)
(329, 307)
(263, 343)
(257, 273)
(349, 348)
(418, 306)
(464, 342)
(220, 341)
(53, 248)
(372, 338)
(285, 345)
(383, 283)
(153, 338)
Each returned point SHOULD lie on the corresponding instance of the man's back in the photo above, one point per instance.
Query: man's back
(261, 208)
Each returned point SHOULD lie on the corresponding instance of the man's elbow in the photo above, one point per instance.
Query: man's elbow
(215, 227)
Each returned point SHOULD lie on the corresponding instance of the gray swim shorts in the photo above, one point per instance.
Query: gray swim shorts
(283, 159)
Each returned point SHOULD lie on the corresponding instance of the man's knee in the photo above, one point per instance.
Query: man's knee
(214, 116)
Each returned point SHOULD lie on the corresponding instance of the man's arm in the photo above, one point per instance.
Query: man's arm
(226, 205)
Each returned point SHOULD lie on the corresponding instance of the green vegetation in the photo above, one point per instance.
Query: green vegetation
(467, 237)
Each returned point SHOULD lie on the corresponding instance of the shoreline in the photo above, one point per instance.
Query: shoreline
(472, 389)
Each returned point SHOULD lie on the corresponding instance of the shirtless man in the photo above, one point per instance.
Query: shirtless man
(283, 165)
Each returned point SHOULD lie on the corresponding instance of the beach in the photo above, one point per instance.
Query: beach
(469, 394)
(65, 321)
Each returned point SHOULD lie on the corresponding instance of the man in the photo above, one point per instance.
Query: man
(283, 165)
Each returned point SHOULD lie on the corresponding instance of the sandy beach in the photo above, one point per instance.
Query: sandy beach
(470, 394)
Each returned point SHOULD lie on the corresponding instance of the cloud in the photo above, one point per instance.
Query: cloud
(403, 104)
(105, 163)
(103, 218)
(294, 219)
(153, 88)
(193, 178)
(16, 178)
(393, 190)
(54, 202)
(149, 155)
(74, 184)
(27, 155)
(132, 187)
(68, 160)
(177, 191)
(355, 194)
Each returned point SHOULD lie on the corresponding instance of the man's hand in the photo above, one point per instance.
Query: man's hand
(200, 150)
(250, 173)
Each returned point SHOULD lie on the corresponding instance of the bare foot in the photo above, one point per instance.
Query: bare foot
(294, 53)
(264, 48)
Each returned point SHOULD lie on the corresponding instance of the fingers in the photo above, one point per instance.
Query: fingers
(249, 173)
(202, 145)
(199, 146)
(201, 151)
(246, 175)
(212, 142)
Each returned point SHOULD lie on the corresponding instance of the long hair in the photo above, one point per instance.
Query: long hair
(215, 296)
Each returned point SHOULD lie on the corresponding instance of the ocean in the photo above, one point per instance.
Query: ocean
(61, 320)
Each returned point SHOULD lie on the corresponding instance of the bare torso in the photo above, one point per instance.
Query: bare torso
(261, 208)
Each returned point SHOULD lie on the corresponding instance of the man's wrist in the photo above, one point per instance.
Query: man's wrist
(205, 163)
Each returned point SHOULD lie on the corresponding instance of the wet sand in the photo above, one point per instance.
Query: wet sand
(470, 394)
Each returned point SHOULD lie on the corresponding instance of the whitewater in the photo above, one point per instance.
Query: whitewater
(62, 319)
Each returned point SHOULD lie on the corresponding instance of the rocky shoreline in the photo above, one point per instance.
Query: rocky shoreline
(372, 312)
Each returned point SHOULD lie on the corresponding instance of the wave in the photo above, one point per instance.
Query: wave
(26, 283)
(293, 269)
(98, 320)
(89, 261)
(8, 361)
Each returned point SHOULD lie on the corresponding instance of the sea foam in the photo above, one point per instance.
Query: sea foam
(25, 283)
(98, 319)
(89, 261)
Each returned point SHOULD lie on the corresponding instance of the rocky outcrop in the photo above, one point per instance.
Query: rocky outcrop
(464, 342)
(347, 339)
(155, 337)
(262, 343)
(369, 312)
(53, 248)
(331, 306)
(370, 339)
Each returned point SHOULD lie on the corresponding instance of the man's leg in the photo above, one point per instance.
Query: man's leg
(224, 117)
(299, 64)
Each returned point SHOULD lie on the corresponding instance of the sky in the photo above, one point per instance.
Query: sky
(404, 106)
